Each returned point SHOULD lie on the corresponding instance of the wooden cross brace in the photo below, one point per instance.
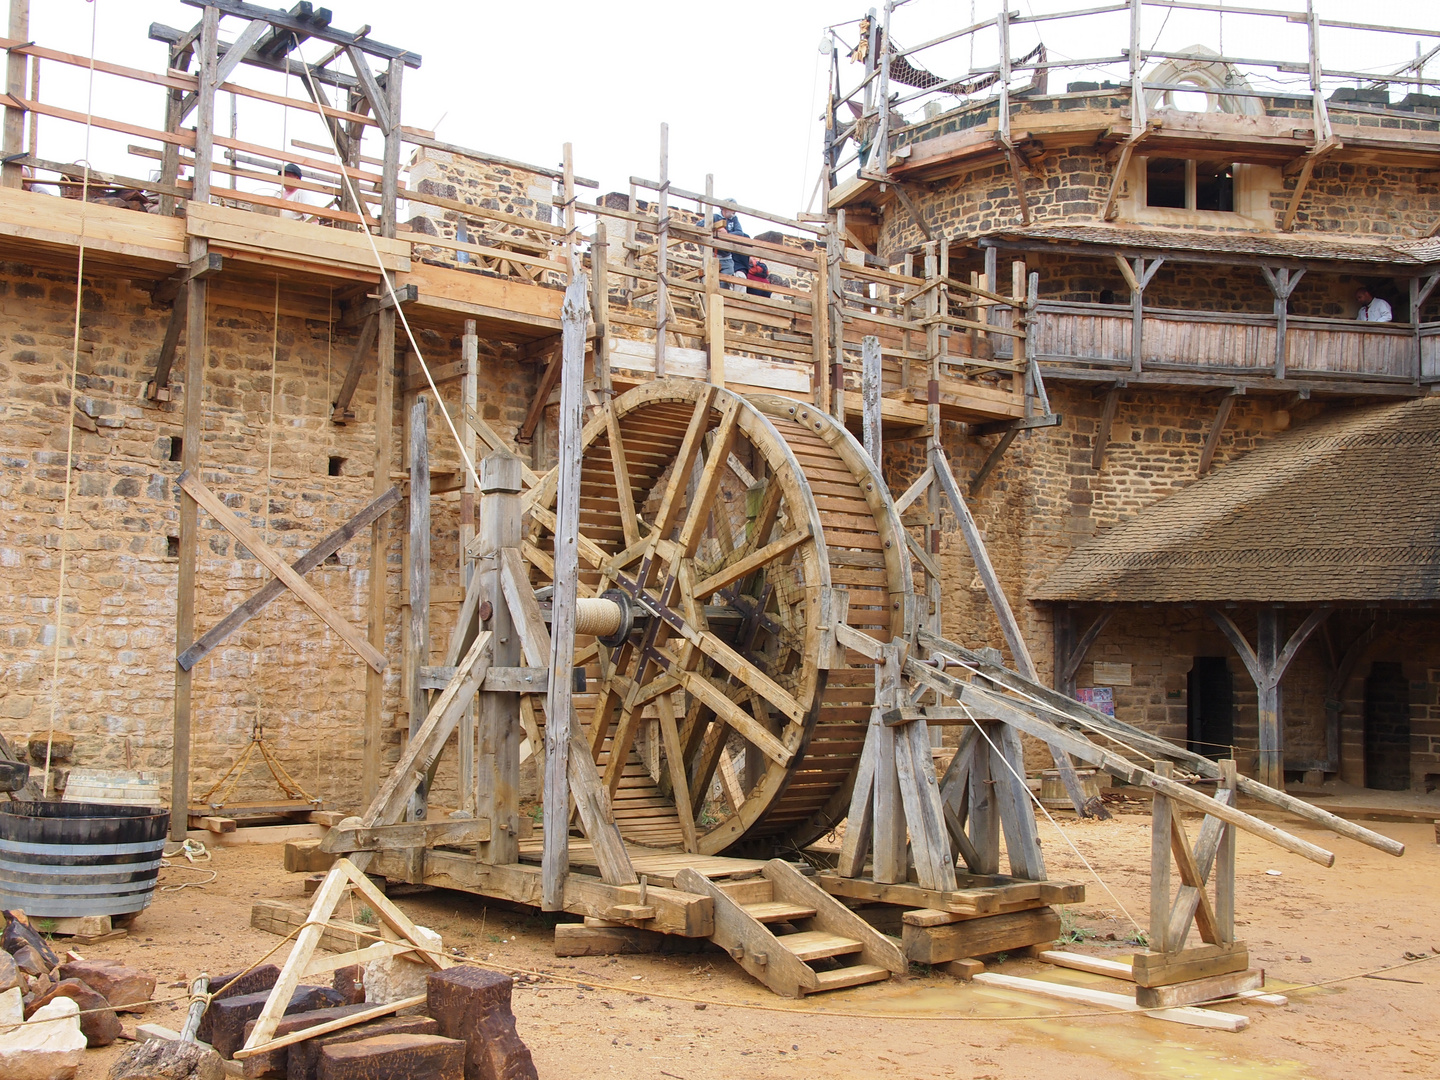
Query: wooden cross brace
(1170, 920)
(272, 561)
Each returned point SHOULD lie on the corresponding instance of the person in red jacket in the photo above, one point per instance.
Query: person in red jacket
(758, 271)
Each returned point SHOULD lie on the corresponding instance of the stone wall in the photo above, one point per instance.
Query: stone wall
(269, 456)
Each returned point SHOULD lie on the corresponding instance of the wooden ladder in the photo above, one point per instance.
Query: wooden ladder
(791, 934)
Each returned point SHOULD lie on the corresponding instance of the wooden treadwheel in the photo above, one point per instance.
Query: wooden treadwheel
(722, 525)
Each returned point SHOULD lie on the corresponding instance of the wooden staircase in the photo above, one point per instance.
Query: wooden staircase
(792, 935)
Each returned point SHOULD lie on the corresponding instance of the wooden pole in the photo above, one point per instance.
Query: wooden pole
(195, 308)
(1270, 768)
(714, 300)
(820, 324)
(12, 174)
(835, 250)
(600, 305)
(555, 863)
(1225, 862)
(662, 241)
(417, 574)
(497, 778)
(469, 398)
(1160, 816)
(1137, 67)
(870, 386)
(890, 858)
(384, 449)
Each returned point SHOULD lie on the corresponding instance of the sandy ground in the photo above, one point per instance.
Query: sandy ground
(700, 1016)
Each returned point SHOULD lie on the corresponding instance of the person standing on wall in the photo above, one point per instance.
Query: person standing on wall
(1372, 308)
(732, 264)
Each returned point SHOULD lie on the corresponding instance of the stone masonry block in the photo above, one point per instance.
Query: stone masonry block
(305, 1057)
(275, 1062)
(395, 1057)
(227, 1033)
(226, 986)
(473, 1004)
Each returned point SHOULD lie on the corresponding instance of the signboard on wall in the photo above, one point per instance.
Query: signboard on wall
(1112, 674)
(1099, 698)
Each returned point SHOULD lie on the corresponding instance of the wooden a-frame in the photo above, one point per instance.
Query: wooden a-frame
(407, 941)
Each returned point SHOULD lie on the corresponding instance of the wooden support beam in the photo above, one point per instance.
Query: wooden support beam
(13, 143)
(1267, 663)
(168, 291)
(870, 389)
(497, 773)
(1068, 666)
(196, 297)
(239, 50)
(992, 459)
(1217, 426)
(1102, 431)
(889, 831)
(358, 313)
(158, 388)
(1282, 281)
(415, 640)
(1305, 167)
(323, 549)
(1073, 711)
(914, 211)
(544, 387)
(272, 561)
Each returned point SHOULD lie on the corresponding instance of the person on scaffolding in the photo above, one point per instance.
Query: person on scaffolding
(291, 192)
(732, 263)
(757, 271)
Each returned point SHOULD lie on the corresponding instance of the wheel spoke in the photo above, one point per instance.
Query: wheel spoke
(626, 497)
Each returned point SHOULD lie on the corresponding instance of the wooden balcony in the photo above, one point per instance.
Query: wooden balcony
(1095, 342)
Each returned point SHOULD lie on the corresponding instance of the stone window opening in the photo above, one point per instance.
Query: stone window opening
(336, 466)
(177, 447)
(1190, 184)
(172, 548)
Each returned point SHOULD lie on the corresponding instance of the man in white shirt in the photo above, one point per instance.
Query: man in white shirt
(1372, 308)
(291, 193)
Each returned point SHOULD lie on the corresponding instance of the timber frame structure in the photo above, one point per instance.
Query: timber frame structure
(801, 628)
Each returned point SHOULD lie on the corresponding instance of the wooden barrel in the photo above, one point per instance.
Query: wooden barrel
(1052, 789)
(69, 859)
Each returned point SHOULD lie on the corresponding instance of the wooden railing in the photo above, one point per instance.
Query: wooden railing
(1231, 343)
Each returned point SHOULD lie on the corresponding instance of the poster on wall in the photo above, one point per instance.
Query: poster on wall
(1099, 698)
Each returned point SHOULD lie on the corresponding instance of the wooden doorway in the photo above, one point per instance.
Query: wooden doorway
(1210, 702)
(1387, 728)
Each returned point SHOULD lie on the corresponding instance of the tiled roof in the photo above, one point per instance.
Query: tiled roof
(1237, 242)
(1344, 509)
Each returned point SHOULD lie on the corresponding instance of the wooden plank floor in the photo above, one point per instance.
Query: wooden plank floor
(659, 867)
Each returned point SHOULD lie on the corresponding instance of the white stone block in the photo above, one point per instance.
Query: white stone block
(48, 1046)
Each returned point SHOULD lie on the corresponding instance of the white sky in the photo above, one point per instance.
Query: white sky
(741, 83)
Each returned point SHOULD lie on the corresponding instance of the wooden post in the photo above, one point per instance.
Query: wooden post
(1282, 284)
(558, 712)
(600, 305)
(870, 388)
(1137, 318)
(662, 241)
(417, 572)
(820, 324)
(1271, 765)
(195, 309)
(469, 401)
(983, 811)
(14, 134)
(1225, 863)
(714, 299)
(835, 250)
(497, 777)
(879, 161)
(1160, 816)
(1317, 92)
(1137, 67)
(384, 440)
(890, 860)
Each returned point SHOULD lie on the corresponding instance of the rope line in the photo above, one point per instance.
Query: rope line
(70, 404)
(385, 275)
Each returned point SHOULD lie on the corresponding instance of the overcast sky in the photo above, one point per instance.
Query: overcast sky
(741, 83)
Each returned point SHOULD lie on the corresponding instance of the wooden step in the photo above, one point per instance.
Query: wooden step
(817, 944)
(858, 975)
(777, 911)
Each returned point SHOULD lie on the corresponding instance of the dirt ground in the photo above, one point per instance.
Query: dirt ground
(700, 1016)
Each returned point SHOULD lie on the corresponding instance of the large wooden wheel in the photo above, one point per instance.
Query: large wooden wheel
(722, 525)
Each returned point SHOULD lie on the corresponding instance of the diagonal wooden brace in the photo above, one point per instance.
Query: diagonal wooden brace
(217, 634)
(272, 561)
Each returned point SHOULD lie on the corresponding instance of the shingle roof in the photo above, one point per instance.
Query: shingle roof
(1344, 509)
(1236, 242)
